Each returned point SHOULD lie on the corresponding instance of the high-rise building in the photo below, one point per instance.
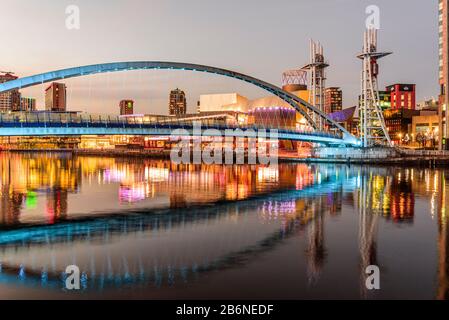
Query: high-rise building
(403, 96)
(178, 103)
(333, 100)
(27, 104)
(126, 107)
(56, 97)
(443, 31)
(9, 101)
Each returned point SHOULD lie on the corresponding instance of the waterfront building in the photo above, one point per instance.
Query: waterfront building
(125, 142)
(27, 104)
(234, 102)
(295, 82)
(273, 117)
(126, 107)
(272, 101)
(96, 142)
(425, 124)
(178, 103)
(9, 101)
(403, 96)
(427, 104)
(353, 126)
(346, 118)
(272, 111)
(344, 115)
(333, 100)
(56, 97)
(223, 102)
(398, 122)
(443, 33)
(385, 99)
(39, 143)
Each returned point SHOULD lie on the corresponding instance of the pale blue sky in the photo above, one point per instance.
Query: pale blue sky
(258, 37)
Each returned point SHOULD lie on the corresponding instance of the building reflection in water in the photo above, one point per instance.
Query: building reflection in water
(24, 251)
(27, 178)
(316, 252)
(23, 176)
(441, 195)
(296, 196)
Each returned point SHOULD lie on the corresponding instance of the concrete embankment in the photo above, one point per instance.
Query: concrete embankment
(125, 153)
(369, 156)
(405, 161)
(380, 156)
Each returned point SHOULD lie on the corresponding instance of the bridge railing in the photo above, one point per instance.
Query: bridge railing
(68, 119)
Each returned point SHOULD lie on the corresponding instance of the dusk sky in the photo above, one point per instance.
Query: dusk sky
(257, 37)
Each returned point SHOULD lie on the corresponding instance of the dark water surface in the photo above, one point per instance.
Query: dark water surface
(148, 229)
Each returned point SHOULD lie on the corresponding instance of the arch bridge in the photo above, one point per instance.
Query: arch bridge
(333, 133)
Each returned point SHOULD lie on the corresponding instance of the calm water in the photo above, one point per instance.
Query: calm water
(148, 229)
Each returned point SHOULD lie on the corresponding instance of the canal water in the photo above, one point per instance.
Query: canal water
(149, 229)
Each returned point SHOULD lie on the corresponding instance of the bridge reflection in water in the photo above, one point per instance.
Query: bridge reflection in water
(151, 241)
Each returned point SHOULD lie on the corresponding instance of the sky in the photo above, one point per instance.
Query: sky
(261, 38)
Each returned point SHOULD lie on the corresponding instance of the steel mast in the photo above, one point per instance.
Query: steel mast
(317, 80)
(373, 130)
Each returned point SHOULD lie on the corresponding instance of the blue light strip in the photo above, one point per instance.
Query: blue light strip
(66, 130)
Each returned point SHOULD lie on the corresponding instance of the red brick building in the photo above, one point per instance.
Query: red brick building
(403, 96)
